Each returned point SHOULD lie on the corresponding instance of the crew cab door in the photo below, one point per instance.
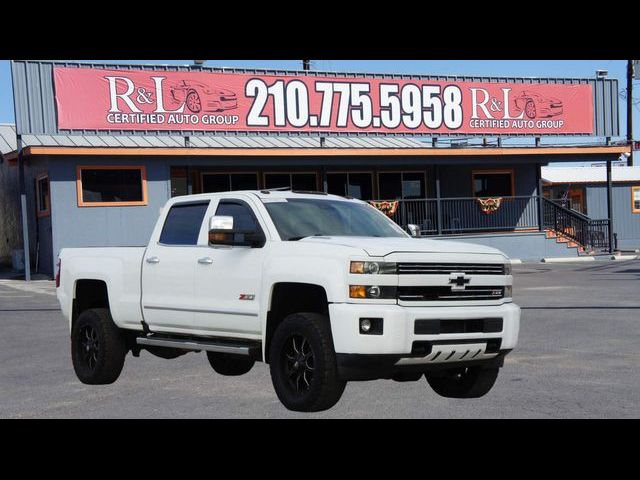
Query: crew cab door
(227, 289)
(169, 265)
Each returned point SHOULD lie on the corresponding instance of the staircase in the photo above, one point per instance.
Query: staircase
(576, 230)
(563, 239)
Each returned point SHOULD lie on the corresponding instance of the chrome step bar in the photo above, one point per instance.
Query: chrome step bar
(209, 346)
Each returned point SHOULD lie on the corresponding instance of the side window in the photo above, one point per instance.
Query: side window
(183, 223)
(243, 218)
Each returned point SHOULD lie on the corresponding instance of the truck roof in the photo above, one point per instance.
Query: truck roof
(265, 194)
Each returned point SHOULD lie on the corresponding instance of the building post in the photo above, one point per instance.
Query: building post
(609, 205)
(436, 169)
(630, 110)
(540, 196)
(23, 207)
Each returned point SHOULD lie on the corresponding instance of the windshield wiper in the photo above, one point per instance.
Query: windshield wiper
(293, 239)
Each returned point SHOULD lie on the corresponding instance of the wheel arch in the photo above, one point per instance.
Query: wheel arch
(292, 297)
(89, 293)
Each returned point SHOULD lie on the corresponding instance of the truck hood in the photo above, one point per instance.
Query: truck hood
(380, 247)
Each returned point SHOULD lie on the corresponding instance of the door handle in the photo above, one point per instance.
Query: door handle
(205, 260)
(153, 260)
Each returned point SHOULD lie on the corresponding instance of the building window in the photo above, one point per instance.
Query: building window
(111, 186)
(43, 197)
(406, 185)
(635, 199)
(227, 182)
(179, 184)
(492, 183)
(351, 184)
(295, 180)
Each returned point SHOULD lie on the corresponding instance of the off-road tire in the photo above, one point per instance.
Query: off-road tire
(228, 364)
(324, 386)
(469, 382)
(102, 362)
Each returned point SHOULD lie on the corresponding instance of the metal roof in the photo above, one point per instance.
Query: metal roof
(589, 174)
(8, 141)
(7, 138)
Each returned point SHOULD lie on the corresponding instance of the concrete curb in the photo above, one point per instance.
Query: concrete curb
(603, 258)
(567, 259)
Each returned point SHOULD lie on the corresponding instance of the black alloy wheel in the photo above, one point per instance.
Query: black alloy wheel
(298, 362)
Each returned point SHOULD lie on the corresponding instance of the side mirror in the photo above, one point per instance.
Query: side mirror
(414, 230)
(221, 232)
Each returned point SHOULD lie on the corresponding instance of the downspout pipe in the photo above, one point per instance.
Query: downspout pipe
(23, 207)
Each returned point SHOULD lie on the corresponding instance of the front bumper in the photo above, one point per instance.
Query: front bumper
(399, 348)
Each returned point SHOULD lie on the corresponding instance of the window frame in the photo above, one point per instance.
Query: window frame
(634, 188)
(289, 172)
(143, 176)
(228, 173)
(47, 212)
(401, 172)
(347, 172)
(493, 171)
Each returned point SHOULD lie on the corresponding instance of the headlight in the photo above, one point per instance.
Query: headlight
(507, 268)
(373, 268)
(508, 291)
(372, 291)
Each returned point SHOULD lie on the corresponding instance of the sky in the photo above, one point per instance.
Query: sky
(518, 68)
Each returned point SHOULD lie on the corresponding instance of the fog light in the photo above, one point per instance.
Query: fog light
(373, 292)
(365, 325)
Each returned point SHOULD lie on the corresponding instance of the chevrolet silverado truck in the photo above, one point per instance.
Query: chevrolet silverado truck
(322, 288)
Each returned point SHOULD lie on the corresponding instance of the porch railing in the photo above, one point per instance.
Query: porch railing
(464, 214)
(590, 233)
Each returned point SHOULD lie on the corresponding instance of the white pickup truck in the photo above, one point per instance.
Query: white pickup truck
(324, 289)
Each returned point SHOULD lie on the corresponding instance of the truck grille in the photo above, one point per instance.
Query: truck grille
(475, 325)
(447, 268)
(434, 293)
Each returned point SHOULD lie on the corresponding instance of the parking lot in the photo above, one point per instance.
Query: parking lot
(577, 357)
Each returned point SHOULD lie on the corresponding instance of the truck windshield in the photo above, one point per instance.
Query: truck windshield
(302, 217)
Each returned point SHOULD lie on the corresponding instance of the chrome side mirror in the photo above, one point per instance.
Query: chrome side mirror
(414, 230)
(220, 222)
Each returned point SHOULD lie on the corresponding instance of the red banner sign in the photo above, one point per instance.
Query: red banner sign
(100, 99)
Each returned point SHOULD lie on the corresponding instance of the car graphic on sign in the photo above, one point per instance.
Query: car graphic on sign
(200, 97)
(536, 105)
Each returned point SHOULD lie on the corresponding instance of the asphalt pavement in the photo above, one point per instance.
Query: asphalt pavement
(577, 357)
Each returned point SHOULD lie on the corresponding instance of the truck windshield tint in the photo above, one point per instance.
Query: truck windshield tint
(299, 218)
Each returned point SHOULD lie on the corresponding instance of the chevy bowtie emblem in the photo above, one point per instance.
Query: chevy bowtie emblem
(458, 280)
(247, 296)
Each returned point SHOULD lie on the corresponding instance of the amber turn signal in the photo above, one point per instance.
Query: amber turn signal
(357, 291)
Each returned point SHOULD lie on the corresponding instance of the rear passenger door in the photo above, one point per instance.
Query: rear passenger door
(169, 265)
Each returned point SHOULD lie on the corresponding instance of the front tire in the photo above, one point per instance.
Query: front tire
(229, 365)
(303, 363)
(98, 347)
(469, 382)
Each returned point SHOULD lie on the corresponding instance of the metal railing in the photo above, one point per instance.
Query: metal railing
(465, 214)
(589, 233)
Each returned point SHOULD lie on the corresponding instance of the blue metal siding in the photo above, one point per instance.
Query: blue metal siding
(75, 226)
(626, 224)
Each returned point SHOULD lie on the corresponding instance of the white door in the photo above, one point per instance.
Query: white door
(227, 289)
(169, 266)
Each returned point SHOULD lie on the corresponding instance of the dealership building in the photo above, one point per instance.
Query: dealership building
(100, 148)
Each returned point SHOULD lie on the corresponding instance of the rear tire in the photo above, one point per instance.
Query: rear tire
(469, 382)
(230, 365)
(98, 347)
(303, 363)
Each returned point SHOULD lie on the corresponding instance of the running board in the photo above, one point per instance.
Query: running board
(207, 345)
